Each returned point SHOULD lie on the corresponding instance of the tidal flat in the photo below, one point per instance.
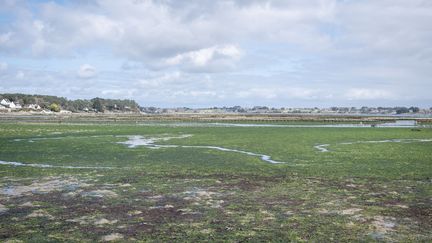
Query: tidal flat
(129, 182)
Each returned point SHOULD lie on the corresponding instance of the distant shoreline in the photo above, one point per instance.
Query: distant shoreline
(221, 117)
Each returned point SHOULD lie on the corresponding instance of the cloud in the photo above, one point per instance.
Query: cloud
(129, 65)
(168, 30)
(160, 81)
(216, 58)
(5, 38)
(6, 42)
(368, 94)
(232, 51)
(3, 67)
(20, 75)
(203, 56)
(161, 29)
(281, 93)
(86, 71)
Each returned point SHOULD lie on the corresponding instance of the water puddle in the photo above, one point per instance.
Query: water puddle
(133, 142)
(137, 140)
(152, 143)
(395, 124)
(266, 158)
(323, 147)
(32, 140)
(52, 166)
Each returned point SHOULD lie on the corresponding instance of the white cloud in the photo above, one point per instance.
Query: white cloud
(20, 75)
(128, 65)
(145, 29)
(87, 71)
(3, 66)
(223, 57)
(7, 43)
(152, 30)
(368, 94)
(5, 38)
(281, 93)
(246, 48)
(160, 81)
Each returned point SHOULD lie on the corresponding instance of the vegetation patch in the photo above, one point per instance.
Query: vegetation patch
(360, 191)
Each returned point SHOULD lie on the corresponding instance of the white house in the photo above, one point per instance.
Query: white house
(5, 102)
(10, 104)
(34, 107)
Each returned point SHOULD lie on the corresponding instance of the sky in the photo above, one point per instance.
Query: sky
(205, 53)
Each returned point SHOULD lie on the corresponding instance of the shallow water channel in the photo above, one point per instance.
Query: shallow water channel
(138, 140)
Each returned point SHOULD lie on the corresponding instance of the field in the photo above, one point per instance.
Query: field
(168, 183)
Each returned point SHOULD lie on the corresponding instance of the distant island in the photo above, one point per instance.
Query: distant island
(17, 102)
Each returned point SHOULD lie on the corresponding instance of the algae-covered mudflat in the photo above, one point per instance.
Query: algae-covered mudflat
(124, 182)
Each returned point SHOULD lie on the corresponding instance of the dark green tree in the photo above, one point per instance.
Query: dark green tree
(98, 104)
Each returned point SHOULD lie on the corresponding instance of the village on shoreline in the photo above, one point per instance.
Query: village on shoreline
(40, 104)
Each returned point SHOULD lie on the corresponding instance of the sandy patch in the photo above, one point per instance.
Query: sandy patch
(206, 231)
(13, 241)
(383, 224)
(323, 211)
(203, 197)
(350, 224)
(135, 212)
(246, 219)
(100, 194)
(215, 203)
(112, 237)
(198, 194)
(73, 194)
(168, 206)
(46, 185)
(94, 220)
(267, 216)
(156, 197)
(350, 211)
(104, 221)
(40, 213)
(29, 205)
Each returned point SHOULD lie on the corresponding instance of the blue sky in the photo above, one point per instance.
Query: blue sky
(199, 53)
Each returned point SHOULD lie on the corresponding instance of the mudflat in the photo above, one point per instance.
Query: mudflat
(122, 182)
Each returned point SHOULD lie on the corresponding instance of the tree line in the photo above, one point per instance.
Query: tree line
(56, 103)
